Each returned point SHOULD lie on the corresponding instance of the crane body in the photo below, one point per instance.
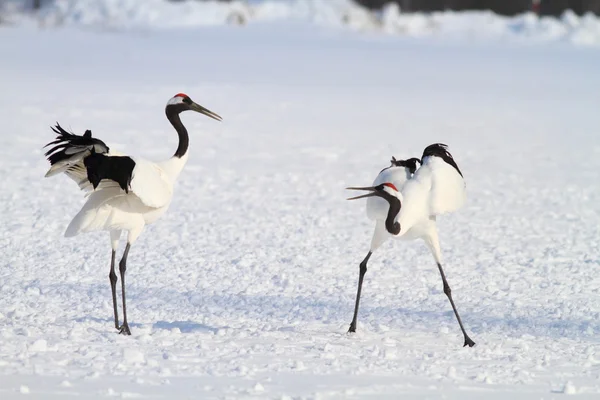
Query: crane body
(405, 202)
(124, 193)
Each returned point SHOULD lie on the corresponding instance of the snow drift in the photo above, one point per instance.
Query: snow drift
(161, 14)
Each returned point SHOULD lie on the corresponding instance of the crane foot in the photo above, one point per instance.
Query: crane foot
(124, 330)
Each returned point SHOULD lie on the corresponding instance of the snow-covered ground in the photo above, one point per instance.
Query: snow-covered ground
(245, 288)
(152, 14)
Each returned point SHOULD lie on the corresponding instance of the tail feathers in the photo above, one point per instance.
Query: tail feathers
(69, 149)
(93, 215)
(105, 184)
(79, 175)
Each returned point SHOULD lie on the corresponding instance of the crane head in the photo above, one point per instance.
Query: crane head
(182, 102)
(381, 190)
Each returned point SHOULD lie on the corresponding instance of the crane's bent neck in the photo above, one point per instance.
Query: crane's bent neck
(173, 166)
(184, 139)
(391, 225)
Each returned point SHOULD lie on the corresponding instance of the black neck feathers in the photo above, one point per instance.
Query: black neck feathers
(391, 225)
(173, 112)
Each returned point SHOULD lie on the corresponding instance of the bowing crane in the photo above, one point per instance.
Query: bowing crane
(405, 200)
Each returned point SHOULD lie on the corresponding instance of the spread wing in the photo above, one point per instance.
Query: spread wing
(69, 150)
(89, 162)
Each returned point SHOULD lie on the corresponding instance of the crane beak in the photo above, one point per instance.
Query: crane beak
(370, 188)
(205, 111)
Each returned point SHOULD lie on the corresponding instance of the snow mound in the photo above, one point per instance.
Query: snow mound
(165, 14)
(471, 25)
(478, 25)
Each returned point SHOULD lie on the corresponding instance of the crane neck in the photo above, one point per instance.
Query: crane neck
(391, 225)
(172, 113)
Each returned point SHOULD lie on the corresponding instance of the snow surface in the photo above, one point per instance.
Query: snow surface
(245, 288)
(152, 14)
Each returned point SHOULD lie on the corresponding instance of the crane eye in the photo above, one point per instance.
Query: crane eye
(187, 100)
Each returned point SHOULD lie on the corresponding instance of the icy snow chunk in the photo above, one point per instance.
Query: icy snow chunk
(451, 372)
(33, 291)
(242, 370)
(39, 345)
(569, 388)
(299, 365)
(133, 356)
(93, 375)
(152, 363)
(258, 387)
(24, 389)
(145, 338)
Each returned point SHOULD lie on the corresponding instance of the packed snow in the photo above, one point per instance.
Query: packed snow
(152, 14)
(245, 288)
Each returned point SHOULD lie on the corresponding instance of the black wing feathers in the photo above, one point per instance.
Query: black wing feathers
(68, 144)
(411, 163)
(118, 169)
(74, 153)
(440, 150)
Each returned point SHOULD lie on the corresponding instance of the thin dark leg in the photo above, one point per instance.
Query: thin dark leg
(113, 286)
(122, 268)
(448, 291)
(363, 271)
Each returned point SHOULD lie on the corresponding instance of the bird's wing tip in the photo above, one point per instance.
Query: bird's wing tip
(51, 172)
(70, 232)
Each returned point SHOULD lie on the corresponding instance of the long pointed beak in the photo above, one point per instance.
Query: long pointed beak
(370, 188)
(205, 111)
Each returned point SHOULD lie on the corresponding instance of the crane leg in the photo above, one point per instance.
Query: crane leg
(363, 271)
(113, 286)
(122, 268)
(448, 292)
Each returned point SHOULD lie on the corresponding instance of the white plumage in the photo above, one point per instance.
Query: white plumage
(447, 189)
(111, 208)
(151, 183)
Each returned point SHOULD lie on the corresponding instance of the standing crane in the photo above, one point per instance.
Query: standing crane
(405, 200)
(125, 193)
